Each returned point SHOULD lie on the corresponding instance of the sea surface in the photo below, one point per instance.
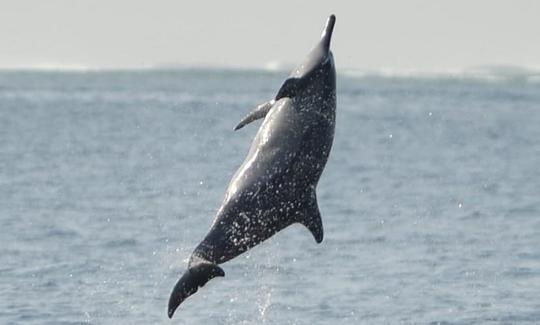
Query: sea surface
(108, 180)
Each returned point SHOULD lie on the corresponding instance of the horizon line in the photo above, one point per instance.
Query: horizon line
(487, 71)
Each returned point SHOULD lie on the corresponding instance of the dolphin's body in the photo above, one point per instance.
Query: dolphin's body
(275, 186)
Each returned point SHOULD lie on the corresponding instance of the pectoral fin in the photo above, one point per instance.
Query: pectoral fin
(257, 113)
(311, 219)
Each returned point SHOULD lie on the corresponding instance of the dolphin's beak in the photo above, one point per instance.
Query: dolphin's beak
(326, 36)
(318, 55)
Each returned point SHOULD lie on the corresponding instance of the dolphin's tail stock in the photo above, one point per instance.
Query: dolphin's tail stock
(195, 277)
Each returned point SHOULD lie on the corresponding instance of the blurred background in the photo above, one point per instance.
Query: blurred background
(400, 36)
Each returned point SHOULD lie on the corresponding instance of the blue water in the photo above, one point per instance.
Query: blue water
(108, 180)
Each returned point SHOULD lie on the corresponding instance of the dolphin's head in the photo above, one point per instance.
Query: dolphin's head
(317, 72)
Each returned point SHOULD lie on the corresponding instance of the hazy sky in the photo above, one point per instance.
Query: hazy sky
(400, 34)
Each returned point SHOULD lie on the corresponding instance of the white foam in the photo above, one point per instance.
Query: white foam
(487, 73)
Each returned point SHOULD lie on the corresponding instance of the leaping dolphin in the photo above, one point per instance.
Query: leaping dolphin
(275, 185)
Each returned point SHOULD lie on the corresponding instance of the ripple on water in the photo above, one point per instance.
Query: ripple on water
(122, 243)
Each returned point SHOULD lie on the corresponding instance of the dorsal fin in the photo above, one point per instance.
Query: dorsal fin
(289, 88)
(311, 218)
(257, 113)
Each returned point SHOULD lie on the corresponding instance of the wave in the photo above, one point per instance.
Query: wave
(74, 67)
(493, 73)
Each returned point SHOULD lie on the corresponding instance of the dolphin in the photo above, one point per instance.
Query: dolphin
(275, 185)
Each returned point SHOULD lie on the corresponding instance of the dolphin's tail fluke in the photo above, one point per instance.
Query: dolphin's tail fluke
(195, 277)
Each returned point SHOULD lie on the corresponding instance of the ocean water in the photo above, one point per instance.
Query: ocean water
(108, 180)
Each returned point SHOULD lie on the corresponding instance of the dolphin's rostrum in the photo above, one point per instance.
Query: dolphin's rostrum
(275, 186)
